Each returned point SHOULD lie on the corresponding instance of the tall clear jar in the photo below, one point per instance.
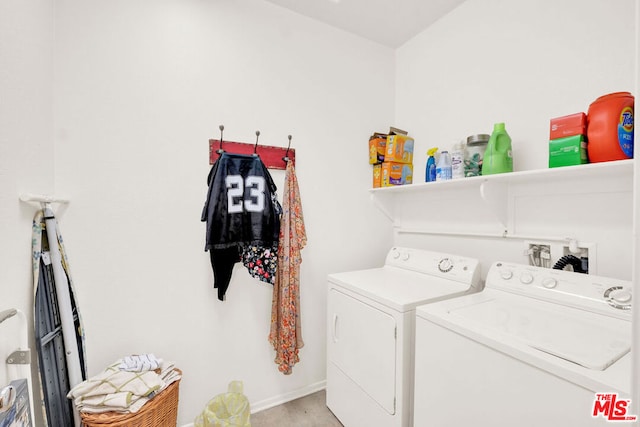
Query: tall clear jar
(474, 154)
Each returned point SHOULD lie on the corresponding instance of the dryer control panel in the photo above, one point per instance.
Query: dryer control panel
(595, 293)
(452, 267)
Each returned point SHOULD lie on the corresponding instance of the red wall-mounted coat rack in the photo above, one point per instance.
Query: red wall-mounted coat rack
(272, 157)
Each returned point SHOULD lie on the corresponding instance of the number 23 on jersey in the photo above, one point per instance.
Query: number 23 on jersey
(245, 194)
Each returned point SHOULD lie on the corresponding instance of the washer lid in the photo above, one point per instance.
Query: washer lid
(398, 288)
(587, 339)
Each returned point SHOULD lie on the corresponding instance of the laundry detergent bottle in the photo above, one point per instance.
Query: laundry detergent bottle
(497, 156)
(430, 170)
(610, 127)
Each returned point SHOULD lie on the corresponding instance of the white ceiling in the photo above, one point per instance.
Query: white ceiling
(389, 22)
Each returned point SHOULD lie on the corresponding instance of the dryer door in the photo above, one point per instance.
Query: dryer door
(362, 344)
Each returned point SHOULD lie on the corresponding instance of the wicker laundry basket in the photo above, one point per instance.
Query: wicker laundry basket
(161, 411)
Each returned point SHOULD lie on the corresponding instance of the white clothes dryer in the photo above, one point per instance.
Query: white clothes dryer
(537, 347)
(370, 332)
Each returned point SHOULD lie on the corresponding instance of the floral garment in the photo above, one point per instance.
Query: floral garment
(261, 261)
(286, 331)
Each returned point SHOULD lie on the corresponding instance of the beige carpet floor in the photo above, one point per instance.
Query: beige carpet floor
(308, 411)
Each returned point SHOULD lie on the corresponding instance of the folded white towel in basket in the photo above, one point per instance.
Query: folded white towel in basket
(113, 380)
(121, 400)
(140, 362)
(122, 391)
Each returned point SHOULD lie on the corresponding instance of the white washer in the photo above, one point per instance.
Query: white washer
(370, 330)
(532, 349)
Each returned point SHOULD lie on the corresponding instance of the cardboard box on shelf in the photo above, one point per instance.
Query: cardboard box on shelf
(573, 124)
(399, 149)
(394, 173)
(377, 175)
(568, 151)
(396, 131)
(377, 148)
(378, 145)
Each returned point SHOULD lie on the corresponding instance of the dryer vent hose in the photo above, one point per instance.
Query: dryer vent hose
(579, 265)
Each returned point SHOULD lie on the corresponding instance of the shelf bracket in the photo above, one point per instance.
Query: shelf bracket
(494, 194)
(19, 357)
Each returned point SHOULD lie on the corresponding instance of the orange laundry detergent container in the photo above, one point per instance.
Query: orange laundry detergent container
(610, 128)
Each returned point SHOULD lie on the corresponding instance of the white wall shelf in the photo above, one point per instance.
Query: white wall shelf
(493, 195)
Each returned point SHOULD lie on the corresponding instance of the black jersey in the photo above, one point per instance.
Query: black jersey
(241, 204)
(241, 211)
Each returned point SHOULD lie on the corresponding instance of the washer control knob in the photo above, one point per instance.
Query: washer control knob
(526, 278)
(618, 297)
(405, 256)
(549, 282)
(621, 296)
(445, 265)
(395, 254)
(506, 274)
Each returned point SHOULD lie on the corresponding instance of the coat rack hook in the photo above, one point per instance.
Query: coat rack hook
(286, 154)
(255, 148)
(220, 150)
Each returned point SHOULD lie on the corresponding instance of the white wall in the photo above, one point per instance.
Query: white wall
(522, 63)
(140, 87)
(26, 151)
(26, 123)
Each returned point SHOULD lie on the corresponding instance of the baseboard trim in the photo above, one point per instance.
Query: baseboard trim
(283, 398)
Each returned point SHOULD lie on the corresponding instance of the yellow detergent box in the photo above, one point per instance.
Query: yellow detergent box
(377, 147)
(377, 175)
(399, 149)
(394, 173)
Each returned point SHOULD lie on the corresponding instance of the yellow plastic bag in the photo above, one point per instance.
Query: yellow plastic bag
(230, 409)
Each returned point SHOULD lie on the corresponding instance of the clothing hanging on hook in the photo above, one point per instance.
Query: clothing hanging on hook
(242, 216)
(286, 331)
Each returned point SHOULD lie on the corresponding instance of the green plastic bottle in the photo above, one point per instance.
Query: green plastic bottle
(497, 156)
